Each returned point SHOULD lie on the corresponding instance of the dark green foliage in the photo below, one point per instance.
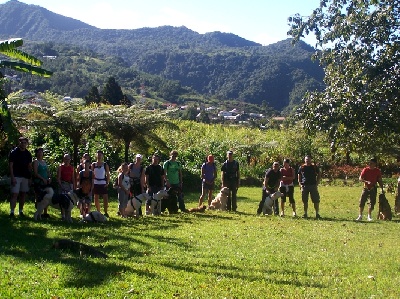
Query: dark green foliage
(112, 92)
(360, 50)
(93, 96)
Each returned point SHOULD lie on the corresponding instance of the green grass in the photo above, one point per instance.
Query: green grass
(210, 255)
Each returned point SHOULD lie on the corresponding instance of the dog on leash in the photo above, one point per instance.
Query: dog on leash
(156, 199)
(94, 216)
(59, 201)
(385, 211)
(170, 202)
(269, 202)
(135, 204)
(198, 209)
(220, 201)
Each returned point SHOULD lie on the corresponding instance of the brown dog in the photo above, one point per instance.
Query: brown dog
(385, 211)
(197, 209)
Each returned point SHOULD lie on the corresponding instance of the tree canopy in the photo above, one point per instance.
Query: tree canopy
(358, 46)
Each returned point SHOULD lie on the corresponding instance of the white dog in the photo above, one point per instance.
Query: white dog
(135, 203)
(94, 216)
(58, 201)
(220, 201)
(269, 202)
(155, 207)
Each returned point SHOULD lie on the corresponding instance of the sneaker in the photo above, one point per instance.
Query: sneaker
(359, 218)
(282, 214)
(318, 216)
(45, 216)
(106, 214)
(12, 215)
(369, 218)
(294, 214)
(21, 214)
(305, 216)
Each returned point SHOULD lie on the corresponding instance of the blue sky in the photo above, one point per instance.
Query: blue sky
(262, 21)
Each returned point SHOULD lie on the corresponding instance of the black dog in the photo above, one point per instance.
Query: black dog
(385, 211)
(171, 202)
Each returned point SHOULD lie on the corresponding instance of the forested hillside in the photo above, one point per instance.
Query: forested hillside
(221, 65)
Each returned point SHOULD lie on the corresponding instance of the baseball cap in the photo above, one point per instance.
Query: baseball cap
(229, 152)
(139, 156)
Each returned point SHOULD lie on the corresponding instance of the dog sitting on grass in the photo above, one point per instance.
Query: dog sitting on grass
(170, 202)
(269, 202)
(220, 201)
(385, 211)
(135, 204)
(156, 202)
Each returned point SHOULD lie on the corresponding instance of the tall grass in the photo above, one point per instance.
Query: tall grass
(210, 255)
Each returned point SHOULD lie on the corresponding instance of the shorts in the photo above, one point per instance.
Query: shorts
(208, 186)
(86, 199)
(21, 185)
(100, 189)
(313, 191)
(372, 197)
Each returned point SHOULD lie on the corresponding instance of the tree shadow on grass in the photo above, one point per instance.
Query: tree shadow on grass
(28, 241)
(221, 271)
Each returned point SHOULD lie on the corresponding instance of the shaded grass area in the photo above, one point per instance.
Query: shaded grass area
(210, 255)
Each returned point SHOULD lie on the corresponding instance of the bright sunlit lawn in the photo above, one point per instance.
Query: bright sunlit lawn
(210, 255)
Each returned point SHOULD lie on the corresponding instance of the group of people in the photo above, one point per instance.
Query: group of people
(133, 179)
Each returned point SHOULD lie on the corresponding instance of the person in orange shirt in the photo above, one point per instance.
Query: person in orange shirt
(370, 176)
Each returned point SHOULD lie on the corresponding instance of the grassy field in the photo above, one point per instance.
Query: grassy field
(210, 255)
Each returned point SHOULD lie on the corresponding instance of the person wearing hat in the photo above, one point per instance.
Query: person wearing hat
(230, 177)
(173, 177)
(20, 164)
(370, 175)
(136, 175)
(208, 175)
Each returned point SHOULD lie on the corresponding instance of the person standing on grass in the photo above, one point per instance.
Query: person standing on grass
(123, 188)
(20, 164)
(85, 183)
(208, 175)
(230, 177)
(370, 175)
(154, 179)
(309, 177)
(173, 177)
(41, 177)
(66, 175)
(136, 174)
(286, 186)
(101, 179)
(270, 186)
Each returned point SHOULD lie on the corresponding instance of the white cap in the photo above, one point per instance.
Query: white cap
(139, 156)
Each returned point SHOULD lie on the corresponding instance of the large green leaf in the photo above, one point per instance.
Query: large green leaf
(25, 67)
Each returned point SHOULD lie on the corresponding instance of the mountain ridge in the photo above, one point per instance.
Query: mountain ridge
(219, 64)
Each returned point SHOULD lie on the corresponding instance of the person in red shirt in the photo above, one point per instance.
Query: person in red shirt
(286, 186)
(370, 176)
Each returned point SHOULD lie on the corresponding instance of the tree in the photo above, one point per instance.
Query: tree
(112, 92)
(131, 124)
(93, 96)
(25, 63)
(358, 43)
